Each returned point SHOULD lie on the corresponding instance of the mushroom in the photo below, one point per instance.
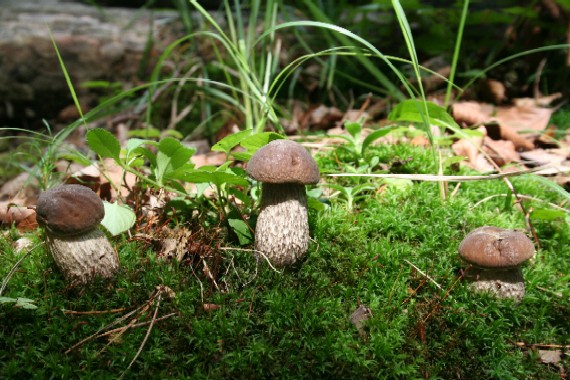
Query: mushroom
(284, 167)
(70, 215)
(496, 255)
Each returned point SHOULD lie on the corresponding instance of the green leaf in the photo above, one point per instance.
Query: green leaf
(104, 143)
(229, 142)
(204, 176)
(354, 128)
(171, 155)
(118, 218)
(315, 204)
(547, 214)
(411, 111)
(242, 230)
(21, 302)
(147, 133)
(258, 140)
(375, 136)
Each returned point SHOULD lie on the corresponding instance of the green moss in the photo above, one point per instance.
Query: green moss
(295, 324)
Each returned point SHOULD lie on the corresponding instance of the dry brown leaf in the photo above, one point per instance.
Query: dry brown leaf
(21, 190)
(472, 113)
(501, 151)
(212, 158)
(470, 148)
(321, 118)
(540, 157)
(550, 356)
(22, 218)
(210, 307)
(493, 91)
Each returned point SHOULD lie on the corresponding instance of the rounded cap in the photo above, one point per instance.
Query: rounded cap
(283, 161)
(493, 247)
(69, 210)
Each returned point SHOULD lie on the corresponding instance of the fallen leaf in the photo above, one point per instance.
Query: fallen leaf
(550, 356)
(501, 151)
(539, 157)
(21, 217)
(359, 317)
(210, 307)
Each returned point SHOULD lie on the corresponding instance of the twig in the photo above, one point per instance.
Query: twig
(545, 345)
(557, 294)
(439, 178)
(94, 312)
(424, 274)
(152, 321)
(251, 250)
(522, 196)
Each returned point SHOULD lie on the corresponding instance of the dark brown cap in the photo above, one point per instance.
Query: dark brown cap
(69, 210)
(283, 161)
(494, 247)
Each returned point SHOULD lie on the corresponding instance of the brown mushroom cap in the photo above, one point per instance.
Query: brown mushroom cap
(69, 210)
(283, 161)
(493, 247)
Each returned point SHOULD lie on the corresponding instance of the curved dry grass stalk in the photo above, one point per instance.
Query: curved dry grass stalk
(439, 178)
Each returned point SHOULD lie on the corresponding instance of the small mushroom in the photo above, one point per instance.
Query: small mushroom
(284, 167)
(496, 255)
(70, 215)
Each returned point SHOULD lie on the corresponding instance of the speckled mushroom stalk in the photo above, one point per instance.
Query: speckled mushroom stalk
(70, 215)
(284, 167)
(496, 255)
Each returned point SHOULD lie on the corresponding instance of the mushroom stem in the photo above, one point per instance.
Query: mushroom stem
(282, 232)
(81, 258)
(503, 283)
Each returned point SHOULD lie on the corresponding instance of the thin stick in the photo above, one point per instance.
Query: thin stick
(424, 274)
(439, 178)
(94, 312)
(522, 196)
(545, 345)
(145, 337)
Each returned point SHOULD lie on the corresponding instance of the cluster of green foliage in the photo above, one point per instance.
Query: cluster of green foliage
(295, 324)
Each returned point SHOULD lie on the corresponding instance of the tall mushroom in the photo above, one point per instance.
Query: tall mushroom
(284, 167)
(496, 255)
(70, 215)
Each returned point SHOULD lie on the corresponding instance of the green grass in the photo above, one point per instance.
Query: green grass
(295, 324)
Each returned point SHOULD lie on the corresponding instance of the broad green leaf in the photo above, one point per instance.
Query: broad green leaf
(258, 140)
(354, 128)
(171, 155)
(242, 230)
(411, 111)
(375, 136)
(229, 142)
(134, 143)
(104, 143)
(24, 303)
(216, 178)
(147, 133)
(118, 218)
(315, 204)
(547, 214)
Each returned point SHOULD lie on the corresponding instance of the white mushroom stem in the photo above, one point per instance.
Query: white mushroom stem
(83, 257)
(503, 283)
(282, 232)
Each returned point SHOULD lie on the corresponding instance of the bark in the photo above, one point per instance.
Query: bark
(282, 231)
(82, 258)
